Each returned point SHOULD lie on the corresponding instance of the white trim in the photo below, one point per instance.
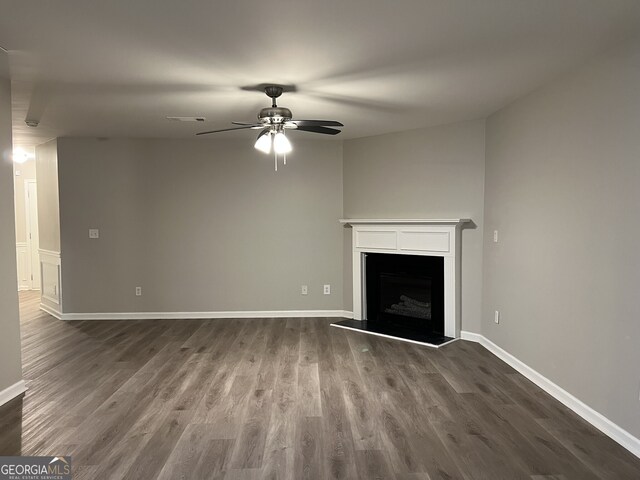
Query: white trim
(602, 423)
(51, 311)
(472, 337)
(34, 267)
(22, 264)
(368, 332)
(53, 257)
(51, 282)
(393, 221)
(12, 392)
(424, 237)
(199, 315)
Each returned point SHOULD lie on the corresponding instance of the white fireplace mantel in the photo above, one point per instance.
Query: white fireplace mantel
(406, 221)
(430, 237)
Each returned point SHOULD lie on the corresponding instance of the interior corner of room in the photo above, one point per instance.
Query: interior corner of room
(522, 216)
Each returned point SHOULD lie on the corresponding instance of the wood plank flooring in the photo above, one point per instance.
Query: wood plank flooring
(286, 399)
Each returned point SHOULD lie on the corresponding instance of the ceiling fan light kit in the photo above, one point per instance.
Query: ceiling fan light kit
(274, 120)
(263, 143)
(281, 143)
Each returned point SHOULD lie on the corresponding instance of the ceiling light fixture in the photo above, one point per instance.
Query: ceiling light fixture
(274, 138)
(263, 143)
(21, 156)
(281, 143)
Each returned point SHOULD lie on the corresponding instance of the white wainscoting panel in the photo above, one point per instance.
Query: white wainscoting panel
(24, 281)
(51, 275)
(602, 423)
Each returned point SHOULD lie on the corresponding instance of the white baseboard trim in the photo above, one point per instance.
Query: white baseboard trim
(198, 315)
(472, 337)
(23, 288)
(602, 423)
(12, 392)
(51, 311)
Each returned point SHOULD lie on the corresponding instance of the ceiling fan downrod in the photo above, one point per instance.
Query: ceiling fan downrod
(273, 92)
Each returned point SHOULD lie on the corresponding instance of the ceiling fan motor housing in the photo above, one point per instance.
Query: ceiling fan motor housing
(275, 115)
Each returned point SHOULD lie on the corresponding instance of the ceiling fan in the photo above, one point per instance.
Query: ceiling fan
(274, 121)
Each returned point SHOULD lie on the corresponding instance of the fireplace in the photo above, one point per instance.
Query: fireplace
(405, 292)
(406, 278)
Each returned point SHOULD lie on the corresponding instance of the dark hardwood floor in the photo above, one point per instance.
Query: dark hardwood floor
(286, 398)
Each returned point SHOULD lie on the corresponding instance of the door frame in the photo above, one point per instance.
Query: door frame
(32, 268)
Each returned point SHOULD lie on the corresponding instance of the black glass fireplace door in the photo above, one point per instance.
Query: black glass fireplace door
(405, 292)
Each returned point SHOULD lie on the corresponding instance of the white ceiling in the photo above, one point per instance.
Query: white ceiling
(117, 68)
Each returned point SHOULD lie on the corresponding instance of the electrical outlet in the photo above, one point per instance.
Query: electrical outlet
(304, 290)
(327, 290)
(496, 317)
(495, 236)
(94, 233)
(138, 291)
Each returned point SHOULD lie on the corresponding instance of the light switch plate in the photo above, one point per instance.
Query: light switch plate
(94, 233)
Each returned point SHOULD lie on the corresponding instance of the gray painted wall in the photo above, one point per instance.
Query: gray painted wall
(562, 188)
(201, 225)
(433, 172)
(10, 358)
(48, 199)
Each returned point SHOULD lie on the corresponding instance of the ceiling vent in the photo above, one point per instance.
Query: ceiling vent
(186, 119)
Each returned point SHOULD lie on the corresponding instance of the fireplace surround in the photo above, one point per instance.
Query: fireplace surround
(421, 292)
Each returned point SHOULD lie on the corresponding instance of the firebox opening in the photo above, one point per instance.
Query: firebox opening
(405, 292)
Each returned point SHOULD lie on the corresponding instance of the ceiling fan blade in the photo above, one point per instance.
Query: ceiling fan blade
(225, 130)
(316, 123)
(251, 125)
(325, 130)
